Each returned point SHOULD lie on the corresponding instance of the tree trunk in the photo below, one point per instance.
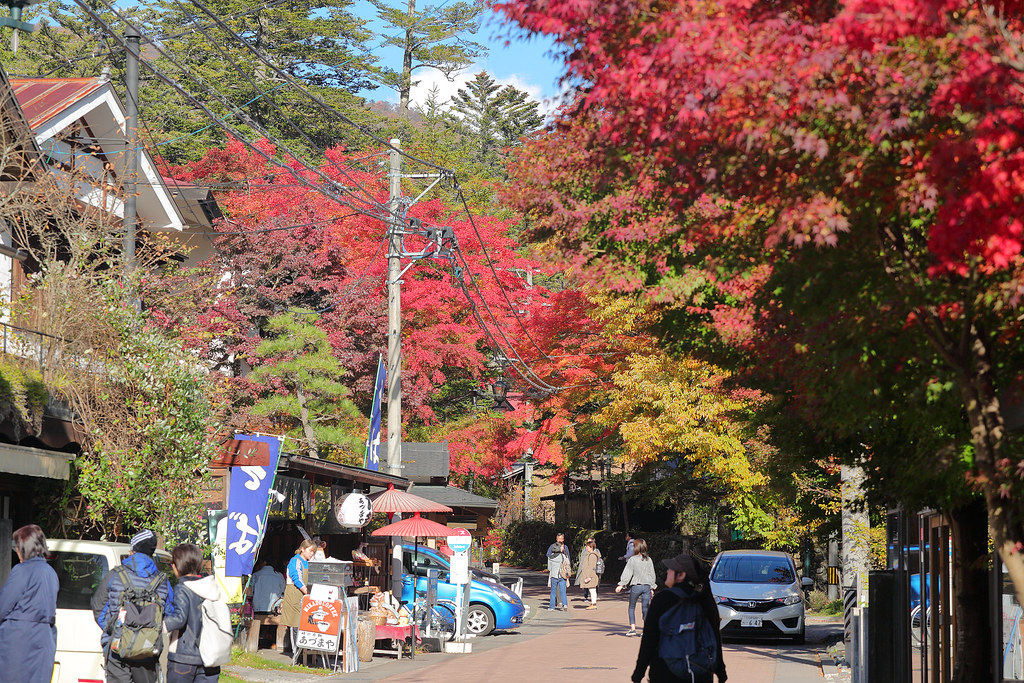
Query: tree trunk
(307, 426)
(625, 508)
(987, 431)
(973, 636)
(406, 85)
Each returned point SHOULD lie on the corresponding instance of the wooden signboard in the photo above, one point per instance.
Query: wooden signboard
(320, 624)
(238, 453)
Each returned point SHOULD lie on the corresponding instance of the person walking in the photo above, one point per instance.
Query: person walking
(137, 571)
(638, 575)
(296, 586)
(587, 577)
(629, 547)
(559, 570)
(683, 581)
(185, 626)
(28, 610)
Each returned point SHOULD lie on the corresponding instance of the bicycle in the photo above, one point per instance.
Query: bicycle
(439, 620)
(915, 626)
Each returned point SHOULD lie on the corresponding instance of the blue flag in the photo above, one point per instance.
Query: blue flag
(247, 508)
(372, 461)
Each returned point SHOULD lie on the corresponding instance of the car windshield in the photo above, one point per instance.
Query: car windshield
(752, 569)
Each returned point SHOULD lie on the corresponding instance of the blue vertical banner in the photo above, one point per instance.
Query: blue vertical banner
(372, 459)
(247, 508)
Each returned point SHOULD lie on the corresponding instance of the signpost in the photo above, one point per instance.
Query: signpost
(460, 542)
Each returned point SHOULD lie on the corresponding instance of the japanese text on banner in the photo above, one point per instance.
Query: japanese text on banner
(247, 508)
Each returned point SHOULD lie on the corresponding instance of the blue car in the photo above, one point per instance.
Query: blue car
(491, 605)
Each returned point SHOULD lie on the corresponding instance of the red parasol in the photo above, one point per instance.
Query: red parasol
(395, 500)
(413, 526)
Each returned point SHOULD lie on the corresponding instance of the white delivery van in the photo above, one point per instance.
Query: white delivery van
(80, 565)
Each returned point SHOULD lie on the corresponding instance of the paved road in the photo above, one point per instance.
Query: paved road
(583, 645)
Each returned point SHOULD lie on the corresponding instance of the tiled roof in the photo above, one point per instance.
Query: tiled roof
(43, 98)
(453, 497)
(425, 460)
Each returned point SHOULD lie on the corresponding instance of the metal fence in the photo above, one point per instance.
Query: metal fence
(39, 348)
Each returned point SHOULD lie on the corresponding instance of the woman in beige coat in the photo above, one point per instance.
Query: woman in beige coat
(588, 578)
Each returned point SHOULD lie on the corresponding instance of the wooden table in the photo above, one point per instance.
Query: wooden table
(259, 620)
(397, 634)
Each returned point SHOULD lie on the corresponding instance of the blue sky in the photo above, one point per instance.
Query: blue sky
(525, 64)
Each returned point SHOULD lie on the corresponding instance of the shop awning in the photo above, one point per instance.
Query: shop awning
(325, 468)
(34, 462)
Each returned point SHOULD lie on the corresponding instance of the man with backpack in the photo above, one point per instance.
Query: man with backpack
(129, 605)
(681, 640)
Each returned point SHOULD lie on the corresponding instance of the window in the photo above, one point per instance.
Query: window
(753, 569)
(79, 575)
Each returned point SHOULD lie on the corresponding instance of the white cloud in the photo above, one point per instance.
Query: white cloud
(430, 78)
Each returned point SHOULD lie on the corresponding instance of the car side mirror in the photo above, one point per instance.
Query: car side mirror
(807, 582)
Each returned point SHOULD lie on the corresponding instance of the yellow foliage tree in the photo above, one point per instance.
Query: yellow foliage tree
(679, 412)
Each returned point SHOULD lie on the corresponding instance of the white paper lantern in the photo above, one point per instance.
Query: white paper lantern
(354, 510)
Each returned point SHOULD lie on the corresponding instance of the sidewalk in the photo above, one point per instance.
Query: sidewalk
(577, 644)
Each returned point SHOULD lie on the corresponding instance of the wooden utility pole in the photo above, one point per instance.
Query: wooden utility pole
(395, 311)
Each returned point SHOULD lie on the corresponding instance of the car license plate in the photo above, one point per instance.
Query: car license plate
(754, 622)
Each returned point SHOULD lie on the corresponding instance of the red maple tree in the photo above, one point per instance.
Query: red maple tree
(753, 146)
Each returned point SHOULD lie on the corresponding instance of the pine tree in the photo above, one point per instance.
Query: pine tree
(496, 117)
(432, 38)
(302, 389)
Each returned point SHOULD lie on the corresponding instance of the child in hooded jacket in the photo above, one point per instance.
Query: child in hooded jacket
(184, 663)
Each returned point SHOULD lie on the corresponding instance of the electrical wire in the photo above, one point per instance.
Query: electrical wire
(242, 72)
(175, 85)
(314, 98)
(490, 265)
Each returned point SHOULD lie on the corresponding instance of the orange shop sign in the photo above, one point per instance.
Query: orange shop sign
(320, 624)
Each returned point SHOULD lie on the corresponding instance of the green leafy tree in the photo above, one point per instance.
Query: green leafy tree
(302, 388)
(432, 38)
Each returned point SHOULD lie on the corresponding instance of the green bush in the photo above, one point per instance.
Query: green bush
(817, 601)
(833, 608)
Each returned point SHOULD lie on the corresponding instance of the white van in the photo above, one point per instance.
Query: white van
(80, 565)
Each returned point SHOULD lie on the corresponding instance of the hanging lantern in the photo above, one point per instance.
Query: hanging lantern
(353, 510)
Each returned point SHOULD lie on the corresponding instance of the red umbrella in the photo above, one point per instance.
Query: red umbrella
(413, 526)
(395, 500)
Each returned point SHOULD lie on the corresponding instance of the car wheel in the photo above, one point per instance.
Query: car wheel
(800, 637)
(480, 620)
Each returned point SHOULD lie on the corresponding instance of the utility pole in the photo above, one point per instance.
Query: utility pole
(131, 164)
(395, 311)
(395, 342)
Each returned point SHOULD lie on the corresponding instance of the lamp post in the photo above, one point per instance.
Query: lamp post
(527, 461)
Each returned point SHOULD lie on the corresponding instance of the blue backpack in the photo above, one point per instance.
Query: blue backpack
(688, 645)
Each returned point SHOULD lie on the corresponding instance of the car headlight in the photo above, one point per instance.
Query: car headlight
(791, 600)
(510, 598)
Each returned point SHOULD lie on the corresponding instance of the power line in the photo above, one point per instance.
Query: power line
(234, 131)
(490, 265)
(317, 100)
(252, 83)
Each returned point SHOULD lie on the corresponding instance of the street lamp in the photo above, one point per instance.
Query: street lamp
(527, 461)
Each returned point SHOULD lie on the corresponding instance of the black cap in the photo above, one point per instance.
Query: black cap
(682, 563)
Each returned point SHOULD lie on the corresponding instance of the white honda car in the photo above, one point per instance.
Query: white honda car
(759, 595)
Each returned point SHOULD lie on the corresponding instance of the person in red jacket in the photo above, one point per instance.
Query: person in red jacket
(682, 572)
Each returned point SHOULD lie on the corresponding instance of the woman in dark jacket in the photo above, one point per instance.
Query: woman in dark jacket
(184, 664)
(28, 608)
(683, 573)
